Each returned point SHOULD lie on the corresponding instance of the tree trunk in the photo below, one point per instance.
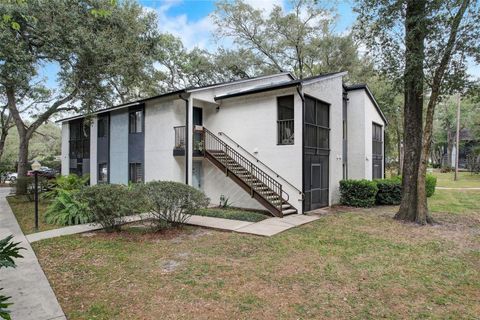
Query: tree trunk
(413, 107)
(423, 216)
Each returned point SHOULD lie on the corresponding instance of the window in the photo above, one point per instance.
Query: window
(135, 172)
(102, 127)
(102, 173)
(285, 120)
(377, 151)
(135, 122)
(79, 143)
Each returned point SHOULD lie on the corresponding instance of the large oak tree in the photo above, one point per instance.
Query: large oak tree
(425, 44)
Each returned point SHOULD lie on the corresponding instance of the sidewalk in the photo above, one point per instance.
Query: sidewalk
(28, 286)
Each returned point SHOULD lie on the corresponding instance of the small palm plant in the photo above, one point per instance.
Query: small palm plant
(8, 251)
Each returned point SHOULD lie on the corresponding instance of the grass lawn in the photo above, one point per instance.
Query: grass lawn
(24, 211)
(465, 180)
(232, 213)
(350, 264)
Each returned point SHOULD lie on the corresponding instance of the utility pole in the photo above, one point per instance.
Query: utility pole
(457, 148)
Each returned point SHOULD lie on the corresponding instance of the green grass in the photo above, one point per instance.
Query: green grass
(465, 180)
(24, 211)
(234, 214)
(455, 201)
(346, 265)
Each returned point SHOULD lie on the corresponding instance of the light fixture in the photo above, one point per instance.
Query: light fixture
(36, 165)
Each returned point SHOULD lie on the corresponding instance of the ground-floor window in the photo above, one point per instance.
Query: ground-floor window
(135, 172)
(102, 173)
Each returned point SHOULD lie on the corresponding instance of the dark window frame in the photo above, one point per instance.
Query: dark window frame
(377, 150)
(133, 122)
(316, 127)
(100, 165)
(287, 123)
(79, 140)
(139, 178)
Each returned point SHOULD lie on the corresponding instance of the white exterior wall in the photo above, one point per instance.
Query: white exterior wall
(160, 118)
(356, 135)
(93, 151)
(361, 113)
(65, 170)
(252, 122)
(331, 91)
(371, 115)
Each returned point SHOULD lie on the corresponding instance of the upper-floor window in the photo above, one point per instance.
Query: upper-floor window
(79, 142)
(135, 122)
(102, 127)
(285, 120)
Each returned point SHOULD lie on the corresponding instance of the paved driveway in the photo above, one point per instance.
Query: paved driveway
(28, 286)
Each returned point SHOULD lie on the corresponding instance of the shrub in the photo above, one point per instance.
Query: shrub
(172, 203)
(68, 209)
(358, 193)
(109, 204)
(69, 182)
(389, 191)
(430, 184)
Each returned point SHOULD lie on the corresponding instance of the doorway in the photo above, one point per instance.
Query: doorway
(197, 175)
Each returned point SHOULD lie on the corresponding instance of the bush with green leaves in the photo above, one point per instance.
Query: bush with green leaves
(68, 209)
(389, 191)
(69, 183)
(108, 204)
(172, 203)
(430, 184)
(358, 193)
(9, 250)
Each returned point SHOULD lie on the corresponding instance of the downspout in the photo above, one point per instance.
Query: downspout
(186, 137)
(300, 93)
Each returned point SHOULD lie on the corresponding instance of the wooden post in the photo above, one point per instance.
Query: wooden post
(457, 151)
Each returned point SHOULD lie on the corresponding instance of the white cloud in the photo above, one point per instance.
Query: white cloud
(265, 5)
(192, 33)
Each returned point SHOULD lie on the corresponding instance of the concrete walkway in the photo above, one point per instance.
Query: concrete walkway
(28, 286)
(267, 228)
(448, 188)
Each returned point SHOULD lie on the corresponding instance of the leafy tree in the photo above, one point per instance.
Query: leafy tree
(419, 43)
(299, 41)
(92, 42)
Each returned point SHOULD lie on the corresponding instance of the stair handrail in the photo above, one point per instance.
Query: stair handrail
(300, 192)
(259, 174)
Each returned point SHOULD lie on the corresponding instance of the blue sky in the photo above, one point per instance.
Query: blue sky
(190, 21)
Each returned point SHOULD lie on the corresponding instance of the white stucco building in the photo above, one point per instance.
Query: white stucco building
(271, 142)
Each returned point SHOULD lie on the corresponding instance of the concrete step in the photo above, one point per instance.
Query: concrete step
(289, 211)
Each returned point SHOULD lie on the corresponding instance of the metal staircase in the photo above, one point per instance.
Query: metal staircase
(261, 186)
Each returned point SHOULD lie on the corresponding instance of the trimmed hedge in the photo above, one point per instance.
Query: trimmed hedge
(430, 184)
(389, 191)
(358, 193)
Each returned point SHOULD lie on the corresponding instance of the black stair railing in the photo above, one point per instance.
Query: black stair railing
(214, 144)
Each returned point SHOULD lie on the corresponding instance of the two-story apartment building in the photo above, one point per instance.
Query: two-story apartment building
(272, 142)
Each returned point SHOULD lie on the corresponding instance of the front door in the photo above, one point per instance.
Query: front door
(197, 174)
(319, 184)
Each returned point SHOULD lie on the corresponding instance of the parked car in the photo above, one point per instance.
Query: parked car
(46, 172)
(11, 176)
